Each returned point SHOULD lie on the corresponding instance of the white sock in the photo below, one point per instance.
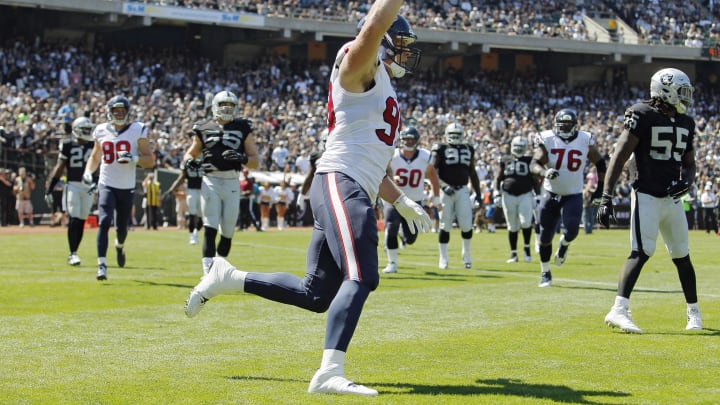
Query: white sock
(545, 267)
(443, 250)
(392, 255)
(466, 250)
(281, 223)
(622, 302)
(693, 306)
(101, 260)
(333, 359)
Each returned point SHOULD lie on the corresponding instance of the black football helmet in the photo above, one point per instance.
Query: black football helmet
(409, 139)
(114, 114)
(397, 54)
(566, 124)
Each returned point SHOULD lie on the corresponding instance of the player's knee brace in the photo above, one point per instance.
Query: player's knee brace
(443, 236)
(466, 235)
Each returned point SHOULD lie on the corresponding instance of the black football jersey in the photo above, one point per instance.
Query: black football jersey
(216, 139)
(194, 178)
(75, 157)
(662, 143)
(453, 163)
(515, 175)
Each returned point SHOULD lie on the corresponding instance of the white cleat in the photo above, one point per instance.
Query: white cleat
(218, 280)
(73, 260)
(390, 268)
(619, 317)
(694, 321)
(333, 382)
(528, 258)
(193, 239)
(512, 259)
(443, 264)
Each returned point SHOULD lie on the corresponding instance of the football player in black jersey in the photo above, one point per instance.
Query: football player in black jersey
(194, 183)
(224, 144)
(516, 184)
(660, 135)
(455, 165)
(72, 159)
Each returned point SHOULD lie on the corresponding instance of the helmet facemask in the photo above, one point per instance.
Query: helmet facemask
(454, 134)
(518, 146)
(566, 125)
(225, 106)
(673, 87)
(118, 112)
(397, 54)
(82, 129)
(409, 139)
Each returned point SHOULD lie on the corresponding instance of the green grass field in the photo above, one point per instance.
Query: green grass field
(427, 336)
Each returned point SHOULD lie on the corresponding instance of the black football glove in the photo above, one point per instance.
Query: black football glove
(231, 155)
(192, 164)
(678, 188)
(448, 190)
(606, 211)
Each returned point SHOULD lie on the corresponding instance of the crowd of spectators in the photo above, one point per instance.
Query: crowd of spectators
(43, 87)
(674, 22)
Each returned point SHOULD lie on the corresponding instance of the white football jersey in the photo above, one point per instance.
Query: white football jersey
(567, 158)
(112, 173)
(363, 127)
(409, 174)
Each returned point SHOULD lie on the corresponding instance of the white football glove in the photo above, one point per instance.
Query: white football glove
(414, 214)
(551, 174)
(126, 157)
(49, 200)
(87, 178)
(301, 202)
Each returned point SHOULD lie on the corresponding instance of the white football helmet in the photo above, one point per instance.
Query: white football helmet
(673, 87)
(82, 129)
(518, 145)
(454, 134)
(221, 108)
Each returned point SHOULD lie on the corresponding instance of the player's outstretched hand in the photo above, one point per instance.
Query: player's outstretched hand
(416, 217)
(606, 211)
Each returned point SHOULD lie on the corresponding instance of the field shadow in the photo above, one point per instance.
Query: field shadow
(497, 386)
(600, 288)
(153, 284)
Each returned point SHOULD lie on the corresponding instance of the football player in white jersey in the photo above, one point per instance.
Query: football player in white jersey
(561, 155)
(224, 143)
(409, 166)
(342, 259)
(120, 146)
(77, 196)
(659, 137)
